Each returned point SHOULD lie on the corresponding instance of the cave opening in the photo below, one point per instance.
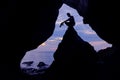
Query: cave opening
(44, 52)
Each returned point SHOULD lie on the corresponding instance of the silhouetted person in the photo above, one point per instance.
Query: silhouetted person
(70, 21)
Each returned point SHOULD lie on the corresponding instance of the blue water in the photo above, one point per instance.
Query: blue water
(38, 56)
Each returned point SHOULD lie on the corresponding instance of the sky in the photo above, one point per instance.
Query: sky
(84, 31)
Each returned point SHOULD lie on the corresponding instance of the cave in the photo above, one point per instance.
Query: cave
(23, 28)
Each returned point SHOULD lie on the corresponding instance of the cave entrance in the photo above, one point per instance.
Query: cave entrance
(44, 52)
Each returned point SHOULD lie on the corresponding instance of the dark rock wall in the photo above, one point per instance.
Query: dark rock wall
(103, 18)
(74, 59)
(24, 25)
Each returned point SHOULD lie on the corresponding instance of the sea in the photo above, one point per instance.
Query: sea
(37, 56)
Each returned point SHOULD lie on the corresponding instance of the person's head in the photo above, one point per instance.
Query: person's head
(68, 14)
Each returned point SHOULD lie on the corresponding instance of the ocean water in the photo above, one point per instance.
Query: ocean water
(37, 56)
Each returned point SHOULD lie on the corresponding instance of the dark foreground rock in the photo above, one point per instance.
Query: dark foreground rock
(74, 59)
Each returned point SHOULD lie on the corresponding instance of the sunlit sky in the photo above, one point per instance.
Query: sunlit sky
(84, 31)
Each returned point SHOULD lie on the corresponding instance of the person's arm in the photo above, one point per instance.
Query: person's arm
(63, 22)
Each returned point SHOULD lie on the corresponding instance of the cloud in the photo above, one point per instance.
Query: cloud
(55, 39)
(79, 23)
(51, 40)
(58, 22)
(89, 32)
(58, 38)
(98, 45)
(53, 49)
(43, 44)
(61, 19)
